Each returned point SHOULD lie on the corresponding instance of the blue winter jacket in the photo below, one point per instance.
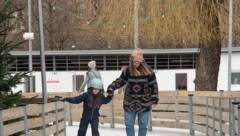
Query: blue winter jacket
(88, 112)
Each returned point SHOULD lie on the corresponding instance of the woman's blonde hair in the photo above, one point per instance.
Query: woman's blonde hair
(142, 70)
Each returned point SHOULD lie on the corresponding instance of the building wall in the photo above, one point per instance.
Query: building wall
(223, 71)
(63, 81)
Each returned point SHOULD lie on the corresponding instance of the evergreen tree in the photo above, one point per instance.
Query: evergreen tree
(8, 80)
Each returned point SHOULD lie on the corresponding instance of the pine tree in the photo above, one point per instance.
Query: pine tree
(8, 80)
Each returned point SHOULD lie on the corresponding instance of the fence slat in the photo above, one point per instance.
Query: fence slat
(13, 128)
(170, 124)
(12, 113)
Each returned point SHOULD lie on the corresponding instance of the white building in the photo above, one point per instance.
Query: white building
(175, 68)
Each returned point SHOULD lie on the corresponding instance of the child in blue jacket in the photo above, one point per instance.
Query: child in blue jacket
(92, 101)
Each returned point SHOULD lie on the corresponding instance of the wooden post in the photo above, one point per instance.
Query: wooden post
(1, 123)
(190, 101)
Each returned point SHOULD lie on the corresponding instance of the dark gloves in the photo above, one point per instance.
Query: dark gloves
(110, 90)
(111, 95)
(64, 99)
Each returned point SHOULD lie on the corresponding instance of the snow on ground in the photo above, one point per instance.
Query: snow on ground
(119, 130)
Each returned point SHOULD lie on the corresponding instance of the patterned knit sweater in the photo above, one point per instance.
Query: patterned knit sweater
(141, 92)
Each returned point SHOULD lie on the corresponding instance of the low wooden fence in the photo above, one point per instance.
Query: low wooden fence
(212, 113)
(34, 120)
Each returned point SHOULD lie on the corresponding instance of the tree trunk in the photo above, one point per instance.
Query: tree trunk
(51, 33)
(208, 62)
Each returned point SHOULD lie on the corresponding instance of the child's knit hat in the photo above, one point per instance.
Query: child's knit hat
(96, 83)
(137, 55)
(92, 64)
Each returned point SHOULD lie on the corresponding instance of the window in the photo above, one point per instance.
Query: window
(235, 78)
(78, 62)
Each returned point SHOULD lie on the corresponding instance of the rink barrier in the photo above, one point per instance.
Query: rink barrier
(213, 113)
(34, 119)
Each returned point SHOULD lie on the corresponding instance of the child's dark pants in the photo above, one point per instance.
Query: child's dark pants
(84, 125)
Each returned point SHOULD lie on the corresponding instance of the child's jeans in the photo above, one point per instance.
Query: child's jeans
(84, 125)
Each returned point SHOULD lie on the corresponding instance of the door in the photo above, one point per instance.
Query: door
(27, 84)
(181, 81)
(77, 82)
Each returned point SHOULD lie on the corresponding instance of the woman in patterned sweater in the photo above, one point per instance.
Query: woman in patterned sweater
(141, 92)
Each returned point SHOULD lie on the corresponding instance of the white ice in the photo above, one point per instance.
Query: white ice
(119, 130)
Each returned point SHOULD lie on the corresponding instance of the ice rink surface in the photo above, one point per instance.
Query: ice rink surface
(119, 130)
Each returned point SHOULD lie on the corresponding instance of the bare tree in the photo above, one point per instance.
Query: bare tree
(174, 24)
(15, 22)
(101, 24)
(61, 24)
(58, 25)
(207, 67)
(67, 24)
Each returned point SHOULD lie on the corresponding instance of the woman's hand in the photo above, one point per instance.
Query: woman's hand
(64, 99)
(110, 94)
(110, 90)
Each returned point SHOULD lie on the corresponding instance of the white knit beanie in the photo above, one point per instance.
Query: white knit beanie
(92, 64)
